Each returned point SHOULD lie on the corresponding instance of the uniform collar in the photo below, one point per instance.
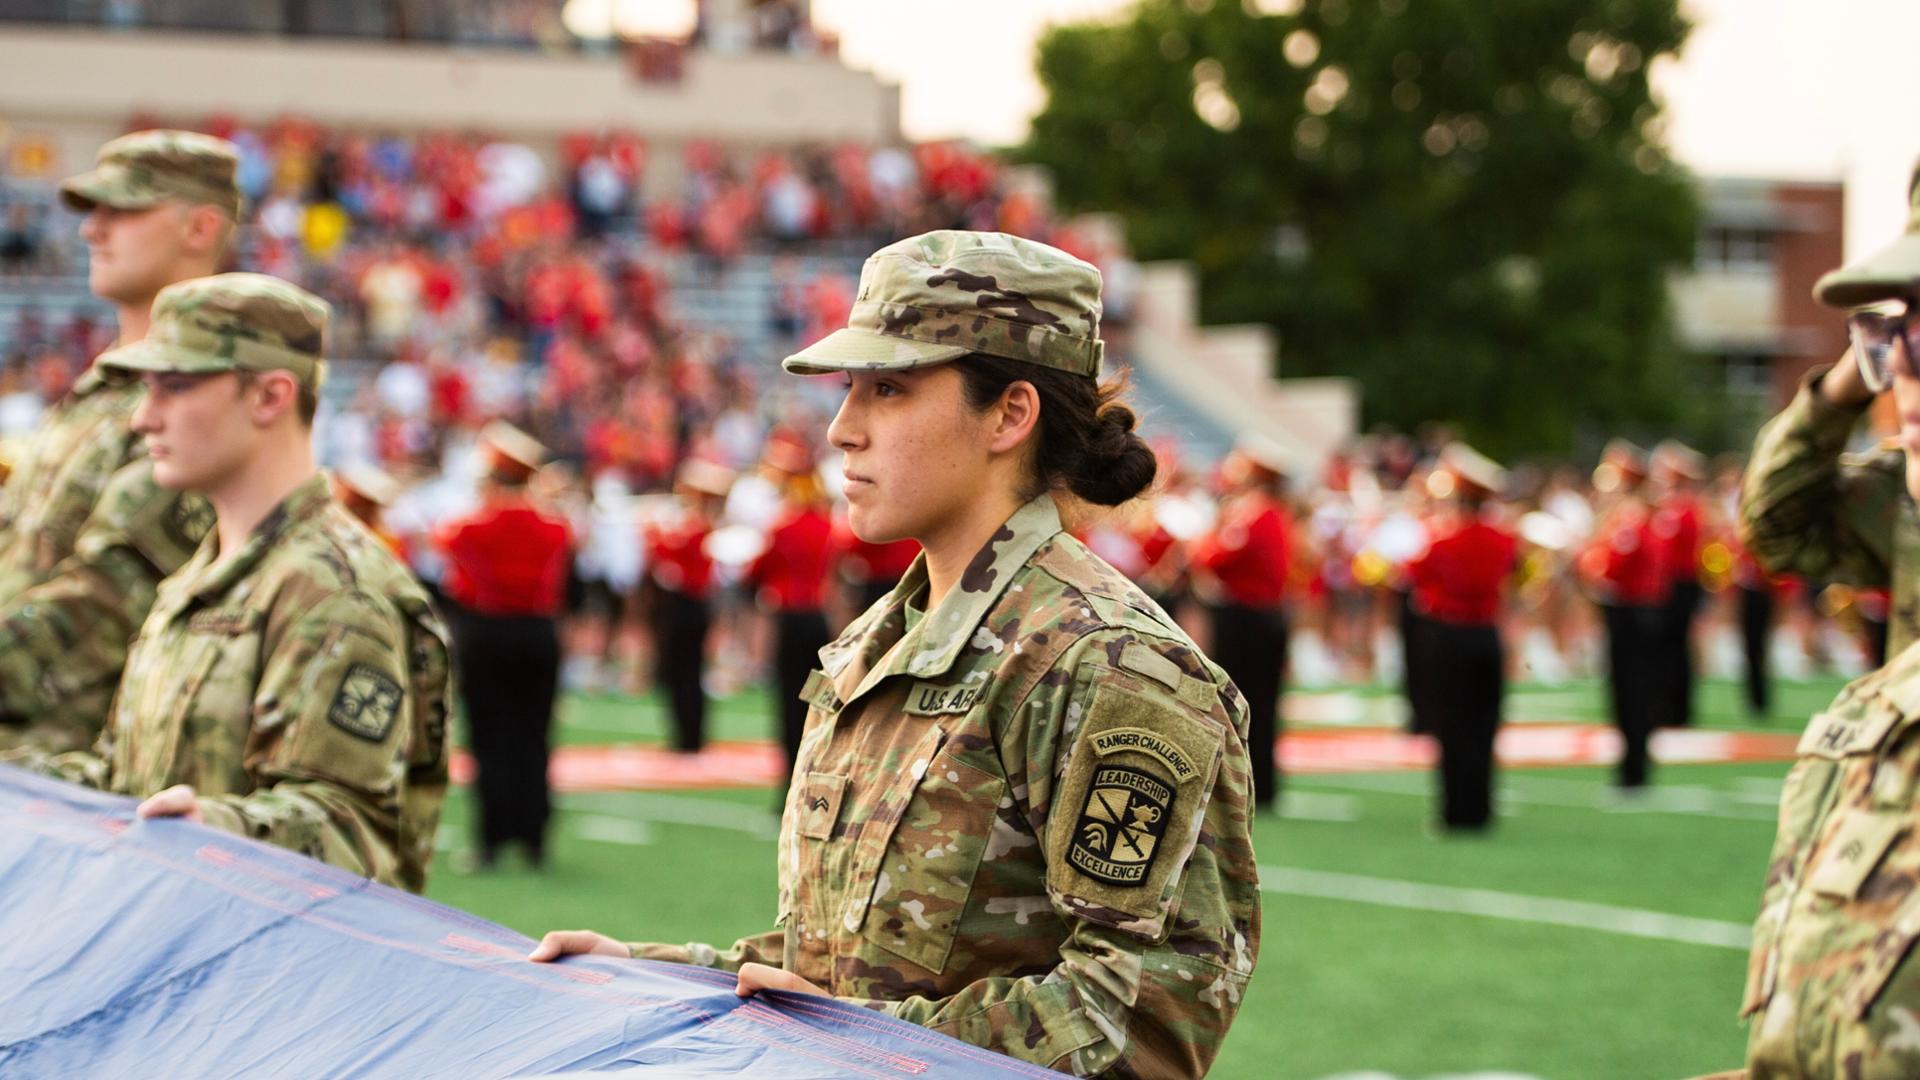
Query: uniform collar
(307, 501)
(936, 641)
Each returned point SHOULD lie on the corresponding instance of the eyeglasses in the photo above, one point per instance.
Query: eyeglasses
(1873, 331)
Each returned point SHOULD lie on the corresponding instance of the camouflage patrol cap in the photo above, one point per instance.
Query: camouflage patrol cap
(232, 322)
(140, 170)
(938, 296)
(1890, 273)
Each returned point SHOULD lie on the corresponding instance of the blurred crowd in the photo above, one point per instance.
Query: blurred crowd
(475, 280)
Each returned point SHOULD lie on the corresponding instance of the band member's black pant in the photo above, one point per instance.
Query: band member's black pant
(1417, 675)
(1250, 644)
(1756, 637)
(680, 630)
(798, 638)
(1676, 653)
(1633, 684)
(1469, 665)
(509, 668)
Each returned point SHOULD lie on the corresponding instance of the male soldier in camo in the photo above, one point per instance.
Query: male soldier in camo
(290, 683)
(1831, 989)
(1020, 810)
(85, 534)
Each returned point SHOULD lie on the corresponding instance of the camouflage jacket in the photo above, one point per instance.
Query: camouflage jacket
(1023, 820)
(300, 686)
(85, 537)
(1805, 508)
(1830, 987)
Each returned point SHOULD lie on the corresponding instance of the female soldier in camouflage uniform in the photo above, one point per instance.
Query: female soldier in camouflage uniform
(1020, 811)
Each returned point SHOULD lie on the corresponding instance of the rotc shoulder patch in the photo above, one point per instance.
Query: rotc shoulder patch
(189, 520)
(366, 704)
(1120, 826)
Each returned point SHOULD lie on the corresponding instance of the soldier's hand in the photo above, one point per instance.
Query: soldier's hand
(1843, 384)
(757, 977)
(559, 943)
(177, 801)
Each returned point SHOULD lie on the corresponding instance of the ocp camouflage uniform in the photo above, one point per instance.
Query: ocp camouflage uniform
(299, 684)
(1022, 819)
(1806, 508)
(85, 534)
(1830, 989)
(301, 688)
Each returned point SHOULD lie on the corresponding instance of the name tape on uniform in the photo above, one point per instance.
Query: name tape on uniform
(1833, 735)
(928, 700)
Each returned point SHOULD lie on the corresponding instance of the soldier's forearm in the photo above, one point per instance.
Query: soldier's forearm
(325, 821)
(64, 641)
(768, 948)
(1800, 511)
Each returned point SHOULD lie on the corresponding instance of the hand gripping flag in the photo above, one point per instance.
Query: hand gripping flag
(162, 948)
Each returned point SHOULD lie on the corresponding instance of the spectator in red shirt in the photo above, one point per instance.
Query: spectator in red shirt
(1459, 584)
(1245, 562)
(506, 582)
(789, 580)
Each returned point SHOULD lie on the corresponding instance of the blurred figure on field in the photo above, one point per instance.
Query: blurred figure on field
(366, 491)
(680, 574)
(506, 584)
(1678, 471)
(789, 580)
(1623, 570)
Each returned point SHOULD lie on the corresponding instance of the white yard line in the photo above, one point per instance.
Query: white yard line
(1513, 907)
(653, 808)
(1746, 804)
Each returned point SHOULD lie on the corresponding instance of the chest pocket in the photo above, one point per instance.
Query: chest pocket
(1854, 901)
(921, 849)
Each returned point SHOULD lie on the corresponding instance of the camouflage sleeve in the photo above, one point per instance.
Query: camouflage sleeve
(63, 642)
(1137, 781)
(1804, 509)
(768, 948)
(328, 752)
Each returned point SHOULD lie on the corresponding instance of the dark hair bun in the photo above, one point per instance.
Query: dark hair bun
(1116, 465)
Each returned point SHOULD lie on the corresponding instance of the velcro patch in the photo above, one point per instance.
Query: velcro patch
(1854, 853)
(366, 704)
(1121, 824)
(1150, 743)
(818, 693)
(1141, 660)
(926, 699)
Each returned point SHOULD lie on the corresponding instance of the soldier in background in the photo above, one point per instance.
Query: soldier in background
(85, 534)
(1831, 986)
(1678, 473)
(506, 584)
(1459, 589)
(680, 577)
(1623, 570)
(290, 682)
(1243, 564)
(1021, 815)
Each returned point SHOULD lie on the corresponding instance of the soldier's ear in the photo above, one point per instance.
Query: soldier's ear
(1015, 416)
(276, 394)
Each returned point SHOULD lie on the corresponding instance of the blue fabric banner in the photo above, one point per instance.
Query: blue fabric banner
(161, 948)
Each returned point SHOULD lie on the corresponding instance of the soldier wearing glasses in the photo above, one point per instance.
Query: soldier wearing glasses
(1832, 986)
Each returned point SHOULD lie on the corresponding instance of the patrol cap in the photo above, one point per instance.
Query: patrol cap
(938, 296)
(1470, 466)
(232, 322)
(140, 170)
(512, 451)
(1891, 272)
(1678, 457)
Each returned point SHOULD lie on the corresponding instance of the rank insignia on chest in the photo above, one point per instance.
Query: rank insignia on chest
(1121, 825)
(366, 704)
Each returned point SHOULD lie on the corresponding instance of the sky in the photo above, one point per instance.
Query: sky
(1764, 88)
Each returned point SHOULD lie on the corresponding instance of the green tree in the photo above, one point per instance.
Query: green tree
(1464, 204)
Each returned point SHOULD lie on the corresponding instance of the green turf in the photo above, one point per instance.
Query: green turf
(1344, 986)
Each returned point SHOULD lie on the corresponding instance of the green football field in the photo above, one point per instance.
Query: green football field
(1587, 937)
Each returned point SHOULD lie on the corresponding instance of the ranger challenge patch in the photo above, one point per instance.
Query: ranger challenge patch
(366, 704)
(1121, 825)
